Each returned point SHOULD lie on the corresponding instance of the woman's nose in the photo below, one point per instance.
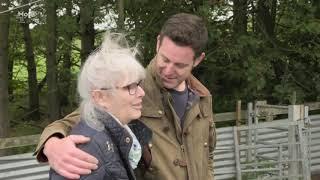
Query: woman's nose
(140, 92)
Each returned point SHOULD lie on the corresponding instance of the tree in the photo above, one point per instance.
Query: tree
(51, 64)
(316, 4)
(31, 67)
(86, 28)
(240, 17)
(67, 30)
(4, 44)
(120, 22)
(257, 49)
(266, 16)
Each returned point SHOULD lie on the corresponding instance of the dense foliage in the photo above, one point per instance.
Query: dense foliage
(258, 49)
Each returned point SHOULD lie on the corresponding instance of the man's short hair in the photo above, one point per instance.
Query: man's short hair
(186, 30)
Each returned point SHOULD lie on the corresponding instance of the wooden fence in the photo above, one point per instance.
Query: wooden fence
(11, 142)
(24, 166)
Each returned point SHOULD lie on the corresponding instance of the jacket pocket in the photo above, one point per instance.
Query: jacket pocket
(150, 170)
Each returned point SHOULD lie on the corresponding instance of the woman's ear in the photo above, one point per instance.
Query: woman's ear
(96, 96)
(101, 98)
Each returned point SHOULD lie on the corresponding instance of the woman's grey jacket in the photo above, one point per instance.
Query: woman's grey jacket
(110, 144)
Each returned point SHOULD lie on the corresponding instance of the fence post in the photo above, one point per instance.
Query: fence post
(249, 135)
(304, 143)
(238, 118)
(295, 113)
(237, 153)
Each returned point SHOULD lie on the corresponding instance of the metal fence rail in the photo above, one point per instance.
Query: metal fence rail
(315, 143)
(226, 166)
(22, 167)
(225, 156)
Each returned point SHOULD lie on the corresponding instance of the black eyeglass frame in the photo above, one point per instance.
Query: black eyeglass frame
(132, 88)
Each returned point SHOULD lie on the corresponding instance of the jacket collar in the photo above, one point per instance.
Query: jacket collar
(117, 131)
(103, 121)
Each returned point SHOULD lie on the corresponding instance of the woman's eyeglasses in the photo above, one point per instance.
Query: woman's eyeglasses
(132, 88)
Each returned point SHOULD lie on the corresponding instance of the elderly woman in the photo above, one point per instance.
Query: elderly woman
(109, 87)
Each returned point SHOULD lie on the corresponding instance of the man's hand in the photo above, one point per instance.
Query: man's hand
(66, 159)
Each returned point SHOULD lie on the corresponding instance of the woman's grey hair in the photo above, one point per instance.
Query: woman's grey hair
(110, 66)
